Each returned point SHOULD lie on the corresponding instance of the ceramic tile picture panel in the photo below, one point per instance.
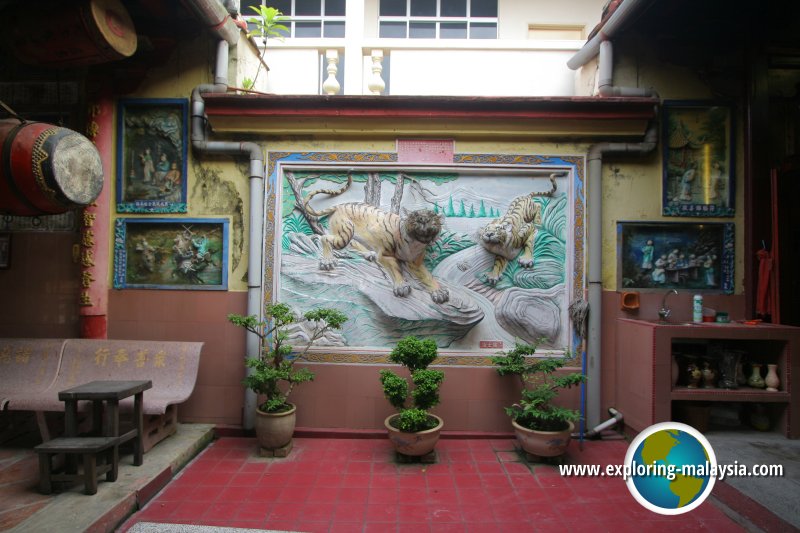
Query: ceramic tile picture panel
(174, 253)
(152, 144)
(698, 160)
(474, 259)
(675, 255)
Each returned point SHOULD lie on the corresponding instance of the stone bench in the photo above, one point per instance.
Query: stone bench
(40, 368)
(28, 368)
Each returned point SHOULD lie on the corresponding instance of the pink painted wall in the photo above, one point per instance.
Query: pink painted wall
(649, 304)
(191, 316)
(39, 291)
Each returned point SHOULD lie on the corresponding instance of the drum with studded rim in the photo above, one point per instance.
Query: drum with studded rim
(46, 169)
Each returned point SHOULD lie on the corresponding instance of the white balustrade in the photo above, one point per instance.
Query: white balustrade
(376, 84)
(331, 84)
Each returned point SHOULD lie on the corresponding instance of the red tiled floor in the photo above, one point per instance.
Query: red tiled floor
(480, 485)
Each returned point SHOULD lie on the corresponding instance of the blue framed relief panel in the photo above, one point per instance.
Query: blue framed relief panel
(459, 290)
(675, 255)
(171, 253)
(698, 177)
(152, 144)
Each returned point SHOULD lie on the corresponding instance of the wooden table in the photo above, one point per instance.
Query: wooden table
(107, 394)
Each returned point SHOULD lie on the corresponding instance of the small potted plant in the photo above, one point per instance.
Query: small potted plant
(273, 375)
(413, 430)
(542, 429)
(268, 24)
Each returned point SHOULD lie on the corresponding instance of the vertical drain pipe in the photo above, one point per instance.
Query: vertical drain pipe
(594, 203)
(601, 44)
(201, 144)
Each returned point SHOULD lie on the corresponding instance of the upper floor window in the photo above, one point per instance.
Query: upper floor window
(438, 19)
(307, 18)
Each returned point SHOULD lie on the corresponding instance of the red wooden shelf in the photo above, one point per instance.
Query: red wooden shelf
(645, 393)
(729, 395)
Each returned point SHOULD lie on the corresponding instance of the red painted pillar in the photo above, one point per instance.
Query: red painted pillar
(94, 223)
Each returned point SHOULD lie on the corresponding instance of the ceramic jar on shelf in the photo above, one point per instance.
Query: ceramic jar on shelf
(709, 376)
(755, 380)
(772, 381)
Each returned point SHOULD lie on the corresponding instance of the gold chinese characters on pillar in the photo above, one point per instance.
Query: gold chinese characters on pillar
(87, 221)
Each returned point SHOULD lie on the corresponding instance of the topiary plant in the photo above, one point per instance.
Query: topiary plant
(539, 387)
(273, 374)
(415, 354)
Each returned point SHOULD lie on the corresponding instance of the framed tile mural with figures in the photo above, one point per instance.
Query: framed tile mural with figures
(698, 159)
(675, 255)
(171, 253)
(152, 143)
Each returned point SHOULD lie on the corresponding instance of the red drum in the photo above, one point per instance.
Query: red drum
(85, 32)
(46, 169)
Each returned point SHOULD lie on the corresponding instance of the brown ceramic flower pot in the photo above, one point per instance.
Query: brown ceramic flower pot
(543, 443)
(414, 444)
(275, 430)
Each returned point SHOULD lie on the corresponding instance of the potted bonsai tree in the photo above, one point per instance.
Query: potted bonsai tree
(542, 429)
(273, 375)
(413, 430)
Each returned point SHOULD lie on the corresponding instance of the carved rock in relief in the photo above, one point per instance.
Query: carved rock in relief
(366, 295)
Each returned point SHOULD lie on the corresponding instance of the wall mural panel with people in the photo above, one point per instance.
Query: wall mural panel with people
(675, 255)
(151, 156)
(175, 253)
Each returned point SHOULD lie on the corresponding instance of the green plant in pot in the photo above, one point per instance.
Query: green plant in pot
(273, 376)
(413, 430)
(542, 428)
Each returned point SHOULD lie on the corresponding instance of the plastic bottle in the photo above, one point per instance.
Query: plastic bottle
(697, 308)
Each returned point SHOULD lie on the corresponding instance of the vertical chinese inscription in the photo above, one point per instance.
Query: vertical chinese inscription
(88, 242)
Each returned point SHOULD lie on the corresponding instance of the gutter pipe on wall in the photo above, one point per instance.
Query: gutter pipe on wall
(216, 18)
(601, 44)
(201, 144)
(594, 222)
(614, 22)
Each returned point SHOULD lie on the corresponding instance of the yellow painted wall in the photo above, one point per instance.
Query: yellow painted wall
(632, 187)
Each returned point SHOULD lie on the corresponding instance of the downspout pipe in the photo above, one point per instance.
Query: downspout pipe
(217, 19)
(201, 144)
(614, 22)
(594, 223)
(606, 85)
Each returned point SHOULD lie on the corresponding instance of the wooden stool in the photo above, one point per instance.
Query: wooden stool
(91, 448)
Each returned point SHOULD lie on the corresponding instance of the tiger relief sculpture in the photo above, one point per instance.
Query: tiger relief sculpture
(515, 231)
(387, 238)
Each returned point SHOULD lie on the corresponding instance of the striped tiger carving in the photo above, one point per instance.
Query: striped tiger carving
(387, 238)
(515, 231)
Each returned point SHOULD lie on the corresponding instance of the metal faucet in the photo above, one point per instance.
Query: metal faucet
(664, 312)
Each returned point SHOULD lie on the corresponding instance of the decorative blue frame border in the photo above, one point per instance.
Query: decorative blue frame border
(121, 256)
(672, 206)
(576, 162)
(726, 260)
(154, 205)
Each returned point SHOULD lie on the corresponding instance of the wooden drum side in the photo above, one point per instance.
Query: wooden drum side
(46, 169)
(86, 32)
